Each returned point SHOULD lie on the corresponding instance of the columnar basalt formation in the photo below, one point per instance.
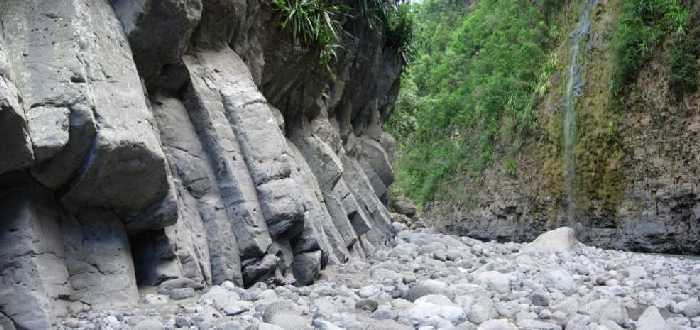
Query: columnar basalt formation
(145, 140)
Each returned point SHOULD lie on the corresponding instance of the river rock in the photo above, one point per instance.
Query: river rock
(285, 315)
(690, 308)
(481, 310)
(177, 283)
(181, 293)
(559, 240)
(495, 281)
(607, 309)
(651, 319)
(499, 324)
(403, 206)
(425, 288)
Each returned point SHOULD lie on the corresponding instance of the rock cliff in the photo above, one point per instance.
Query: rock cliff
(635, 183)
(145, 140)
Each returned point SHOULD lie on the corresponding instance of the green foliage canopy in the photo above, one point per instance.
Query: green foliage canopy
(474, 77)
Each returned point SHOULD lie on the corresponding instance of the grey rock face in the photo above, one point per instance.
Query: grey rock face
(49, 130)
(181, 143)
(32, 258)
(235, 182)
(307, 267)
(202, 213)
(16, 147)
(99, 260)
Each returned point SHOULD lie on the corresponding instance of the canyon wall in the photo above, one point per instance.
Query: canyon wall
(150, 140)
(634, 185)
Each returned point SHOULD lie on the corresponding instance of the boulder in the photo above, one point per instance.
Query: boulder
(427, 287)
(559, 240)
(403, 205)
(690, 308)
(529, 324)
(436, 305)
(367, 305)
(285, 315)
(651, 319)
(539, 299)
(481, 310)
(178, 283)
(607, 309)
(225, 301)
(149, 325)
(498, 324)
(559, 279)
(307, 267)
(493, 280)
(260, 270)
(268, 326)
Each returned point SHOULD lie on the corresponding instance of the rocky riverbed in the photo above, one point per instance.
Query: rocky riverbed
(434, 281)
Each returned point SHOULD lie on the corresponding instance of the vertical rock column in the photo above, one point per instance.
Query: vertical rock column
(95, 146)
(238, 191)
(223, 79)
(318, 223)
(33, 277)
(361, 188)
(202, 201)
(315, 140)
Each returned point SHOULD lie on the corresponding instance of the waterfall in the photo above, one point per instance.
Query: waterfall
(574, 89)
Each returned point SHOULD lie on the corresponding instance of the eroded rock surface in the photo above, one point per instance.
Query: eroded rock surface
(182, 141)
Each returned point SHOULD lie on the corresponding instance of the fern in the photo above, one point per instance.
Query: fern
(314, 23)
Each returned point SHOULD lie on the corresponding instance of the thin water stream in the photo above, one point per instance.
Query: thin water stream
(574, 89)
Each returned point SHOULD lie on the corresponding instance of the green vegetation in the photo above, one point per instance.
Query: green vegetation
(319, 23)
(643, 26)
(683, 59)
(313, 22)
(471, 91)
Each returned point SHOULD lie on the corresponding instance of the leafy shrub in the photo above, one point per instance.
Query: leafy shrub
(318, 23)
(399, 30)
(313, 23)
(685, 47)
(643, 26)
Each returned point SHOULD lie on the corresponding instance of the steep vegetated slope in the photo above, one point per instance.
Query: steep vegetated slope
(211, 140)
(582, 113)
